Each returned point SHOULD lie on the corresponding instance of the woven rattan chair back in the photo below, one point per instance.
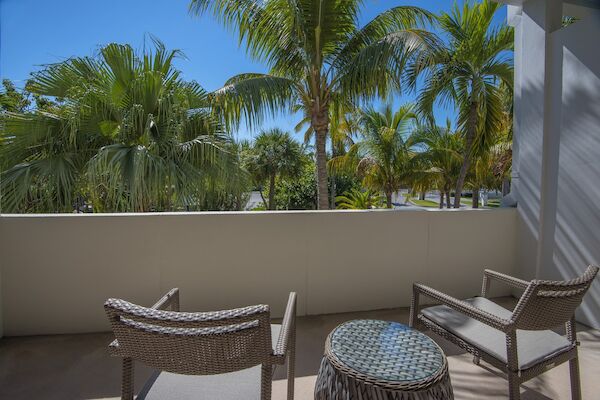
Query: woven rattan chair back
(192, 343)
(548, 304)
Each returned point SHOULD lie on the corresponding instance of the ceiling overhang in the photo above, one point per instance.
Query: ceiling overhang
(578, 3)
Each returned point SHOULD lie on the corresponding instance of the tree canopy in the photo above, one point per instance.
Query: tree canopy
(131, 136)
(318, 56)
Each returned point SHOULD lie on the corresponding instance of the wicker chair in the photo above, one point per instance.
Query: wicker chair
(206, 355)
(519, 342)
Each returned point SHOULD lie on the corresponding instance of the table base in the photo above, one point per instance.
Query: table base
(333, 384)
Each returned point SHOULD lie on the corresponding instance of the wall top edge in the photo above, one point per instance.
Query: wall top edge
(282, 212)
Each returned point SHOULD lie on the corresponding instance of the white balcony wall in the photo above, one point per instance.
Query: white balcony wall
(557, 135)
(57, 270)
(1, 316)
(575, 237)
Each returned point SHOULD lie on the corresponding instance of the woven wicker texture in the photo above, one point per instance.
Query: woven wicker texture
(371, 359)
(543, 305)
(192, 343)
(201, 343)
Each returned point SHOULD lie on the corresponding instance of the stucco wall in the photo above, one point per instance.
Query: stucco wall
(1, 316)
(529, 111)
(58, 270)
(558, 134)
(577, 220)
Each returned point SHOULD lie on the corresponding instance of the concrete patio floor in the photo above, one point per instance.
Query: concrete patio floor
(78, 366)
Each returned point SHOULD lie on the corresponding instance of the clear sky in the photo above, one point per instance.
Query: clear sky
(37, 32)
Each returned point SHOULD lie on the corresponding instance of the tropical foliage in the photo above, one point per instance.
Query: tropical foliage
(381, 156)
(489, 171)
(274, 154)
(299, 192)
(467, 72)
(11, 99)
(121, 131)
(357, 199)
(438, 164)
(318, 56)
(131, 136)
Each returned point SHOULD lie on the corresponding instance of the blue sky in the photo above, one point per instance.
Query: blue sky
(37, 32)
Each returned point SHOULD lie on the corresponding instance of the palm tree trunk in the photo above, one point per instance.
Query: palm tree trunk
(333, 191)
(471, 131)
(170, 198)
(448, 200)
(272, 192)
(388, 199)
(262, 196)
(320, 124)
(441, 199)
(422, 195)
(475, 203)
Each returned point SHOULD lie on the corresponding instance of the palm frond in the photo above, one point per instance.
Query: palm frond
(254, 99)
(130, 135)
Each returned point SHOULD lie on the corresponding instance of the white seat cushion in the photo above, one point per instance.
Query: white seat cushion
(532, 346)
(239, 385)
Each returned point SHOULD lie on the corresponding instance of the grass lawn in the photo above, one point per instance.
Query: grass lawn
(468, 201)
(495, 203)
(424, 203)
(465, 201)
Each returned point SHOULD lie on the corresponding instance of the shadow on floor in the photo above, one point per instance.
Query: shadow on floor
(64, 367)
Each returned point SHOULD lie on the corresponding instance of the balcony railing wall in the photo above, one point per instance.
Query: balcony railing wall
(57, 270)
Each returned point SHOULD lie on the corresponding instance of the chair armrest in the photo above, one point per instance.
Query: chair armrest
(169, 300)
(288, 330)
(489, 275)
(462, 307)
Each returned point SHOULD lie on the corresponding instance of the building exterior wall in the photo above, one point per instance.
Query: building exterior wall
(58, 270)
(576, 240)
(557, 129)
(1, 316)
(528, 132)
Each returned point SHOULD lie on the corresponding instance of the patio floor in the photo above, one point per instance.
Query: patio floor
(78, 366)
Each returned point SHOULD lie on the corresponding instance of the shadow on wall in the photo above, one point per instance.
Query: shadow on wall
(530, 137)
(577, 233)
(575, 226)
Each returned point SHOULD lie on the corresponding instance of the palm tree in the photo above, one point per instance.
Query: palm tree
(483, 176)
(273, 155)
(504, 142)
(343, 127)
(11, 99)
(357, 199)
(493, 163)
(317, 55)
(467, 71)
(382, 155)
(492, 158)
(438, 160)
(130, 136)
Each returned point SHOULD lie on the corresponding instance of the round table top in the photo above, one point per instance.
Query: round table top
(385, 350)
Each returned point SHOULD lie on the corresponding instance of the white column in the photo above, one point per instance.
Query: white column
(1, 268)
(553, 66)
(537, 144)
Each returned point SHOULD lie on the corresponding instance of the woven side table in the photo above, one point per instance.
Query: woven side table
(371, 359)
